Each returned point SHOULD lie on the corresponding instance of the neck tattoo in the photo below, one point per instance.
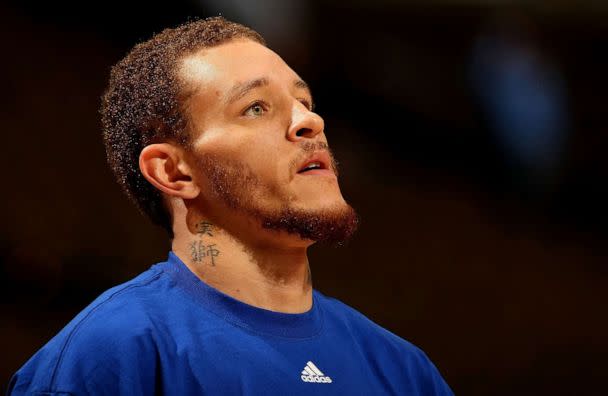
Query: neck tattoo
(202, 251)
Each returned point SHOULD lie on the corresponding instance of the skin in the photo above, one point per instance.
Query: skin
(261, 132)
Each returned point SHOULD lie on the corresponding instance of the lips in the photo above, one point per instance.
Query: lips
(319, 160)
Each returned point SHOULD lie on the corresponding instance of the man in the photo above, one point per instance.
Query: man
(214, 137)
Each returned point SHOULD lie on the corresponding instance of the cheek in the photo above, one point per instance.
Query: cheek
(263, 155)
(265, 161)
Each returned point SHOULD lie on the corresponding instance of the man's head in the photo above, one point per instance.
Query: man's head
(207, 114)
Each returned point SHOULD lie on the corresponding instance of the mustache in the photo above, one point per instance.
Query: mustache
(308, 148)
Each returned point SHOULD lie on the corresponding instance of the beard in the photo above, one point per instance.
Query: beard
(333, 226)
(240, 189)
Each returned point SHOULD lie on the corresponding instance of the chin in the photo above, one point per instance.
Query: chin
(333, 223)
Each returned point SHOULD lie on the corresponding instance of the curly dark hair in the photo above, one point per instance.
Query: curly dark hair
(144, 104)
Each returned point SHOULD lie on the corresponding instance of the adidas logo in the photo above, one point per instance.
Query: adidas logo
(311, 373)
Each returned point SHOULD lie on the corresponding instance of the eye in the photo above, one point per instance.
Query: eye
(307, 103)
(255, 110)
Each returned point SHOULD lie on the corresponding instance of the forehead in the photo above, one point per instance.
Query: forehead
(232, 63)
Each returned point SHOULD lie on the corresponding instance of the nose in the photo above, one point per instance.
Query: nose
(305, 124)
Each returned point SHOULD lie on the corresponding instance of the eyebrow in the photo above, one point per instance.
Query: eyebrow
(242, 89)
(302, 84)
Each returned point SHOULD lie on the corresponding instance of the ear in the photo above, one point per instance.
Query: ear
(164, 166)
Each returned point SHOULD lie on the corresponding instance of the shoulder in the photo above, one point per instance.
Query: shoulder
(105, 340)
(119, 312)
(399, 359)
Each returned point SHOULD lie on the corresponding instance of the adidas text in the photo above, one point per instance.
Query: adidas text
(311, 378)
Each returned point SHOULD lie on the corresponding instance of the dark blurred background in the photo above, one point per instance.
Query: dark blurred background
(472, 137)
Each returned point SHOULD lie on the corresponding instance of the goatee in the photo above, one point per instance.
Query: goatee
(333, 226)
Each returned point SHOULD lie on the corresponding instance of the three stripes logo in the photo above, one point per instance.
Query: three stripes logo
(311, 373)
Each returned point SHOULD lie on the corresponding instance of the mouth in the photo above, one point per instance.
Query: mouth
(317, 164)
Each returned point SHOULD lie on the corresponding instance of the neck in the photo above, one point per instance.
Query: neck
(262, 275)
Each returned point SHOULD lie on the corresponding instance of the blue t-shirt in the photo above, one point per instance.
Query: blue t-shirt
(167, 332)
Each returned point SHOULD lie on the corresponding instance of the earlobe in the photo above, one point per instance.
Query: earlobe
(163, 165)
